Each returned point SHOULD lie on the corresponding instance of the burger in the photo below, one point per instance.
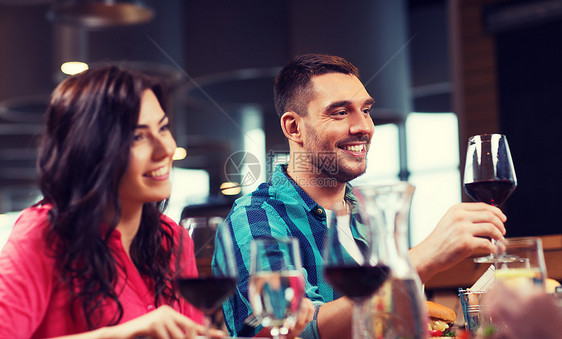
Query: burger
(441, 319)
(551, 285)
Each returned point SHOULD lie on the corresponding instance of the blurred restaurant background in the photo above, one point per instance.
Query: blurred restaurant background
(439, 70)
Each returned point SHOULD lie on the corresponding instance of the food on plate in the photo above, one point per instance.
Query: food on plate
(550, 285)
(441, 319)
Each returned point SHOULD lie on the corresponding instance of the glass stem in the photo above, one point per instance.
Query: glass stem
(207, 325)
(276, 333)
(359, 325)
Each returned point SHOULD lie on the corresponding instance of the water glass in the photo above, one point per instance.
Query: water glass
(276, 286)
(475, 311)
(520, 264)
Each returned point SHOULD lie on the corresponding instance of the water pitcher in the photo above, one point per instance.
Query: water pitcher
(399, 309)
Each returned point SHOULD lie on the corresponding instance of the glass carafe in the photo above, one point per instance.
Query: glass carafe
(398, 307)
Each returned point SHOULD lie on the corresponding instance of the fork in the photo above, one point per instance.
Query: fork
(252, 321)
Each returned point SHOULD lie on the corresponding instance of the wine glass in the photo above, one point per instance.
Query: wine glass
(209, 290)
(489, 175)
(276, 286)
(354, 269)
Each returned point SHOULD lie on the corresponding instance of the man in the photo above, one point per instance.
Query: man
(324, 111)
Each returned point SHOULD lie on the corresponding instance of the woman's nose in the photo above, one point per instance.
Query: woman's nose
(164, 146)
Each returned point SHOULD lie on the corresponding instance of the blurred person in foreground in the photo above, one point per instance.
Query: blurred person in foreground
(522, 314)
(325, 114)
(96, 258)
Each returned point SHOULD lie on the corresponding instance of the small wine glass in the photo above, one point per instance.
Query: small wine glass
(489, 175)
(276, 286)
(208, 291)
(355, 269)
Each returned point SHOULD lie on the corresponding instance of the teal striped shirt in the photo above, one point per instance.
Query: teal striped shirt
(279, 209)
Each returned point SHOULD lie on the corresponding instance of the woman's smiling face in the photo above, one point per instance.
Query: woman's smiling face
(147, 177)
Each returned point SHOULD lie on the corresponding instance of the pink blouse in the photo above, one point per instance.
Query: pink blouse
(35, 304)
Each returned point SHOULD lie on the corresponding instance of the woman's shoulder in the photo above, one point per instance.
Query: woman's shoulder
(32, 221)
(169, 221)
(28, 235)
(171, 227)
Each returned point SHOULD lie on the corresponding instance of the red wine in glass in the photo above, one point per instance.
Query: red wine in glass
(357, 282)
(493, 192)
(206, 293)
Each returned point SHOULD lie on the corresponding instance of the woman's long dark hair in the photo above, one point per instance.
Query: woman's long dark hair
(83, 155)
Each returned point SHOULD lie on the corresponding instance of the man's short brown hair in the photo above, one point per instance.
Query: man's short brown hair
(292, 90)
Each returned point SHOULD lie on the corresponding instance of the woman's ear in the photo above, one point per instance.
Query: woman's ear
(291, 124)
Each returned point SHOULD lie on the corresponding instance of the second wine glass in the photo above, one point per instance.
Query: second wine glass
(276, 286)
(208, 291)
(355, 268)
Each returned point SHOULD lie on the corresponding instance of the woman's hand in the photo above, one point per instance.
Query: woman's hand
(162, 323)
(305, 315)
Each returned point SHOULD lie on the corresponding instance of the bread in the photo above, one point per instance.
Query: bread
(441, 312)
(550, 285)
(441, 319)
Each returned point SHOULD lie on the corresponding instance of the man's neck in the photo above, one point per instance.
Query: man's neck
(326, 191)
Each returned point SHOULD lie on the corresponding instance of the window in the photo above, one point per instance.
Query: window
(189, 186)
(383, 163)
(433, 163)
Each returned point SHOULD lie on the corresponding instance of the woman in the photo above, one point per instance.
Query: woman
(96, 254)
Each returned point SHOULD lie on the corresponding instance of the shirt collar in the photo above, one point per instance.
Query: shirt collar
(282, 180)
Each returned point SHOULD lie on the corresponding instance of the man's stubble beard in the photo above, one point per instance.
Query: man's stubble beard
(342, 174)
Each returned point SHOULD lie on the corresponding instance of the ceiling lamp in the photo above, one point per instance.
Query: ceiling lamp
(180, 153)
(73, 67)
(99, 14)
(230, 188)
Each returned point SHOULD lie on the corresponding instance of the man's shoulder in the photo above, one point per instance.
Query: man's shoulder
(265, 196)
(268, 203)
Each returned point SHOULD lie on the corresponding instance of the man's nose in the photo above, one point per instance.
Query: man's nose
(361, 124)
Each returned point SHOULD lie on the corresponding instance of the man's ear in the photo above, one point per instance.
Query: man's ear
(291, 124)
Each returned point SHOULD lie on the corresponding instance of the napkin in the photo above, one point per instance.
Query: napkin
(485, 281)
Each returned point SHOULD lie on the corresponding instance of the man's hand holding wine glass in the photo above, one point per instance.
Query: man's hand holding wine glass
(464, 230)
(468, 228)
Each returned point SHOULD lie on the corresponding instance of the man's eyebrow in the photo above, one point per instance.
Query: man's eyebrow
(343, 103)
(337, 104)
(159, 122)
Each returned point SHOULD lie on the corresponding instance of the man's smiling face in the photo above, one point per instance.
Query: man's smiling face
(338, 124)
